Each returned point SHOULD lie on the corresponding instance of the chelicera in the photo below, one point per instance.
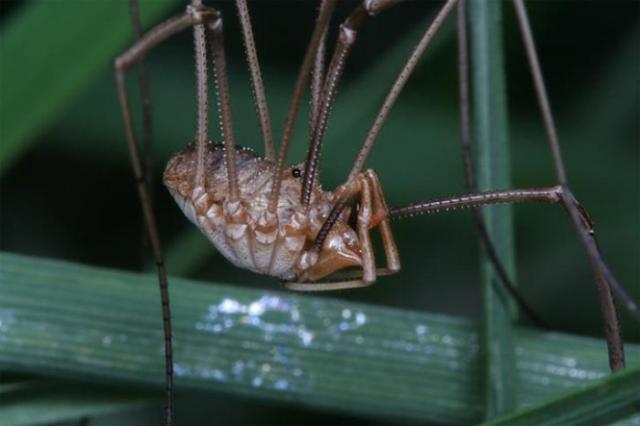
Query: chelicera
(277, 220)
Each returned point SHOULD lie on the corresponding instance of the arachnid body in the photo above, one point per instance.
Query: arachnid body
(275, 219)
(251, 237)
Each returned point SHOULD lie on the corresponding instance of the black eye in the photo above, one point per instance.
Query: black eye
(296, 173)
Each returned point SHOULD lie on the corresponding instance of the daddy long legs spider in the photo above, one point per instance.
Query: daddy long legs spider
(296, 232)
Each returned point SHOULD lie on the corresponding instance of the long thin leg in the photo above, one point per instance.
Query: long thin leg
(398, 86)
(604, 278)
(362, 225)
(256, 79)
(154, 37)
(145, 96)
(326, 286)
(215, 32)
(147, 135)
(314, 149)
(538, 195)
(157, 35)
(465, 139)
(343, 283)
(326, 9)
(380, 214)
(346, 38)
(317, 79)
(202, 101)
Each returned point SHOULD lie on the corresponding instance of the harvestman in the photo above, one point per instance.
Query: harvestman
(276, 220)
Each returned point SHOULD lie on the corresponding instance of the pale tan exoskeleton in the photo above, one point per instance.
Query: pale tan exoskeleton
(280, 243)
(277, 220)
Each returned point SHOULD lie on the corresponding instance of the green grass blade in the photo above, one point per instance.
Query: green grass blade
(493, 171)
(77, 41)
(616, 397)
(103, 327)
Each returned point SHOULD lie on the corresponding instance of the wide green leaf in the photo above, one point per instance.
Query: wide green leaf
(101, 326)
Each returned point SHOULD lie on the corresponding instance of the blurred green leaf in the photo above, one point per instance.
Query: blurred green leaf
(103, 327)
(75, 42)
(613, 398)
(493, 172)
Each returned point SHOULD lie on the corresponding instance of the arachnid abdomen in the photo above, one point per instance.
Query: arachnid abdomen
(244, 231)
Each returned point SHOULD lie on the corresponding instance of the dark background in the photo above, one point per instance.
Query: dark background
(72, 196)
